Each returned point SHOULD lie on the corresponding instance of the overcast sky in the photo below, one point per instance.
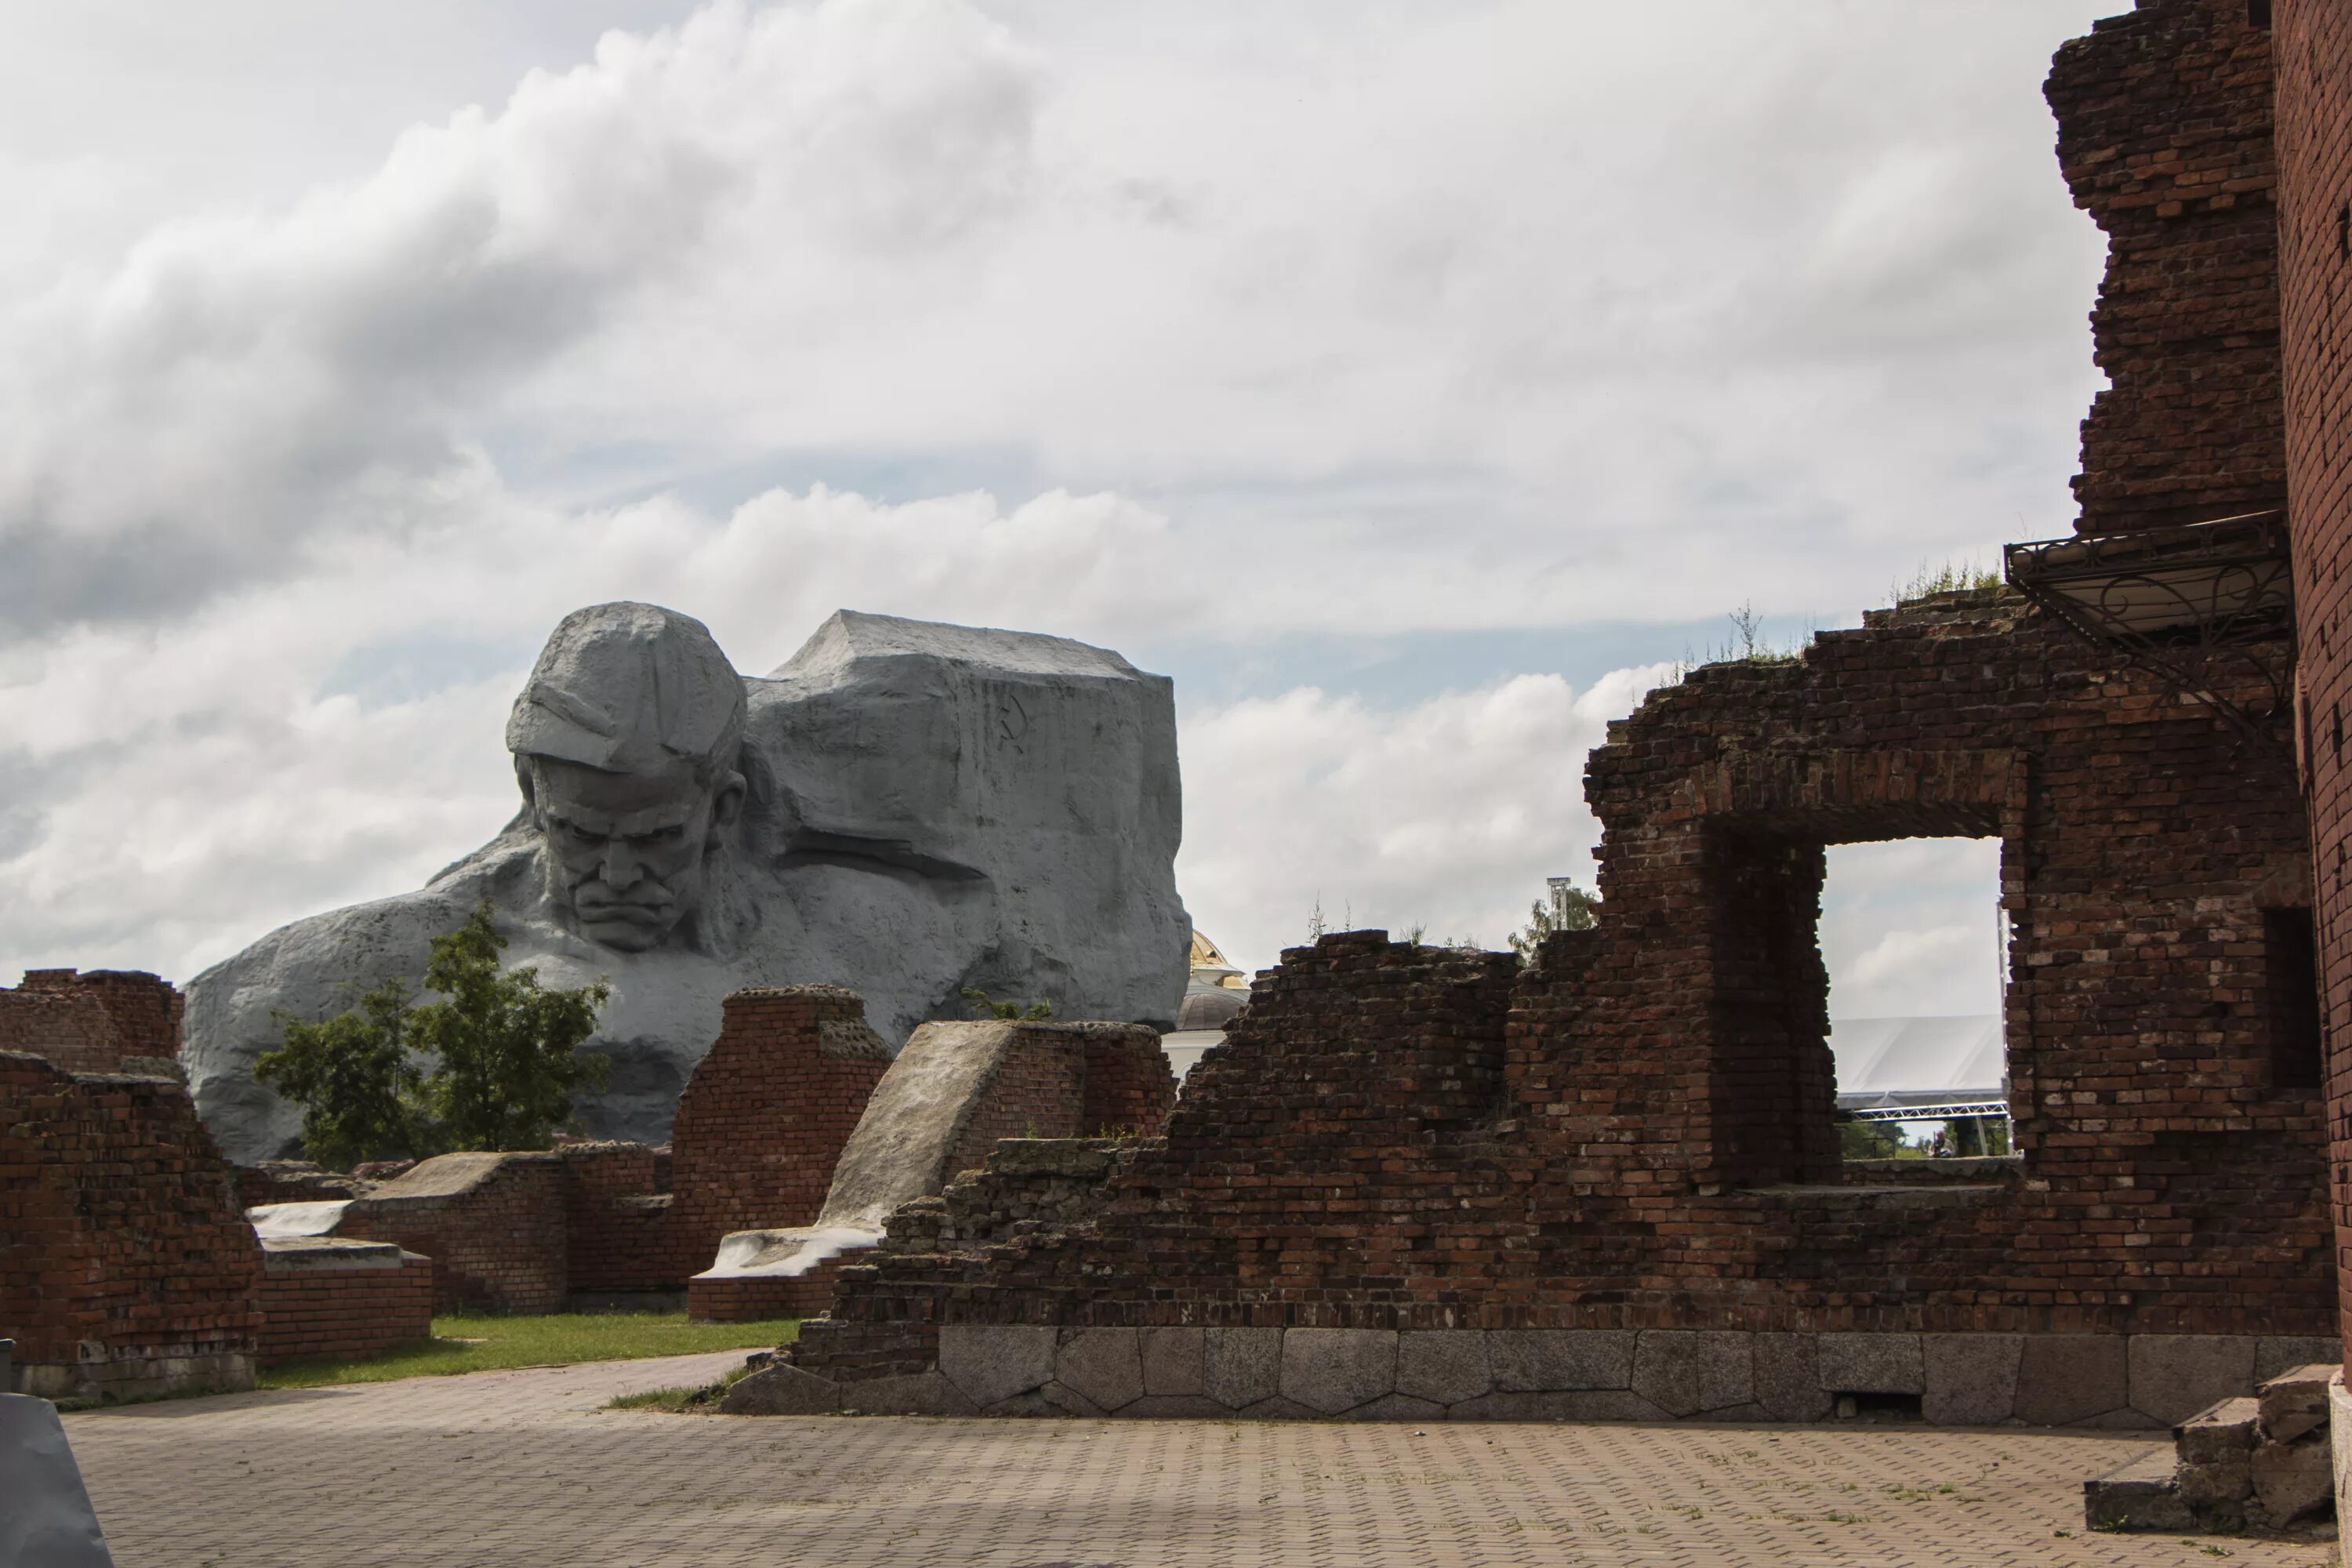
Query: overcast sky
(1413, 383)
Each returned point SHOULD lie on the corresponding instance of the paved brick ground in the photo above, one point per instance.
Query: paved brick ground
(505, 1469)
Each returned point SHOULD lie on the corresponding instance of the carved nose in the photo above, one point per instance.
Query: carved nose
(621, 868)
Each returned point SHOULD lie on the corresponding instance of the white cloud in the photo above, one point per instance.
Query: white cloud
(1912, 928)
(1354, 320)
(1446, 815)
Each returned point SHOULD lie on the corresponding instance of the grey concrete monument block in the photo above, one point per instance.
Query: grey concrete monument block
(2064, 1380)
(1446, 1365)
(1683, 1372)
(904, 808)
(1332, 1370)
(781, 1390)
(1971, 1378)
(1787, 1377)
(1871, 1364)
(1241, 1367)
(914, 1394)
(1175, 1362)
(990, 1361)
(2174, 1376)
(1103, 1365)
(1538, 1361)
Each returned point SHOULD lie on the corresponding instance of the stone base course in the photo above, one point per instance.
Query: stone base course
(2105, 1381)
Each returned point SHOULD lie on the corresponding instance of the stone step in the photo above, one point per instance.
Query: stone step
(2139, 1496)
(2225, 1429)
(2295, 1401)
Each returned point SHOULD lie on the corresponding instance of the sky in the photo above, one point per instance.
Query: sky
(1416, 385)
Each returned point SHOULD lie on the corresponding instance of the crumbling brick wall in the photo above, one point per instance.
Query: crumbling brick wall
(1638, 1134)
(2165, 136)
(763, 1118)
(617, 1203)
(108, 1020)
(126, 1266)
(2315, 148)
(1130, 1085)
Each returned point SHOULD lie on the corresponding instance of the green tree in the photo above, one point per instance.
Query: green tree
(1570, 908)
(509, 1049)
(1868, 1141)
(352, 1075)
(492, 1064)
(1007, 1012)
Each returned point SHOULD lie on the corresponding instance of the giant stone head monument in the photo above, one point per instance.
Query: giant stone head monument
(904, 808)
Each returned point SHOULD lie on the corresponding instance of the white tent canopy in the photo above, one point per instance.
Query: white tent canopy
(1886, 1064)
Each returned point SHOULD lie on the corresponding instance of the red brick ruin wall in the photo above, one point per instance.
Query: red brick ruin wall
(346, 1313)
(1638, 1134)
(617, 1204)
(764, 1117)
(121, 1246)
(2315, 111)
(2165, 119)
(105, 1020)
(1038, 1091)
(499, 1247)
(1129, 1085)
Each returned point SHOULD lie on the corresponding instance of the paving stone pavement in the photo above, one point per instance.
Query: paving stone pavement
(523, 1469)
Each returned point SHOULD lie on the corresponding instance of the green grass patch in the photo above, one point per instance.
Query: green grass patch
(556, 1339)
(702, 1400)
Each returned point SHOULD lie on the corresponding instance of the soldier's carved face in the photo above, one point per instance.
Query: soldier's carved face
(627, 851)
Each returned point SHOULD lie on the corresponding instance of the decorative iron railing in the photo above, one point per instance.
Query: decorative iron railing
(2203, 606)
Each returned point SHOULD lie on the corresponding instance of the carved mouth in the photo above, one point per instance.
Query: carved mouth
(623, 914)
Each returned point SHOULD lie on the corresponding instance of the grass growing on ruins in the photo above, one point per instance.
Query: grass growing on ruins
(556, 1339)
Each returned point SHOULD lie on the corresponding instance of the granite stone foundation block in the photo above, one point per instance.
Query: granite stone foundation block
(2278, 1353)
(1971, 1379)
(1241, 1368)
(1064, 1400)
(1174, 1361)
(1787, 1377)
(1332, 1370)
(2064, 1380)
(1446, 1365)
(2174, 1376)
(990, 1361)
(777, 1390)
(1683, 1372)
(1540, 1360)
(1104, 1365)
(1871, 1364)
